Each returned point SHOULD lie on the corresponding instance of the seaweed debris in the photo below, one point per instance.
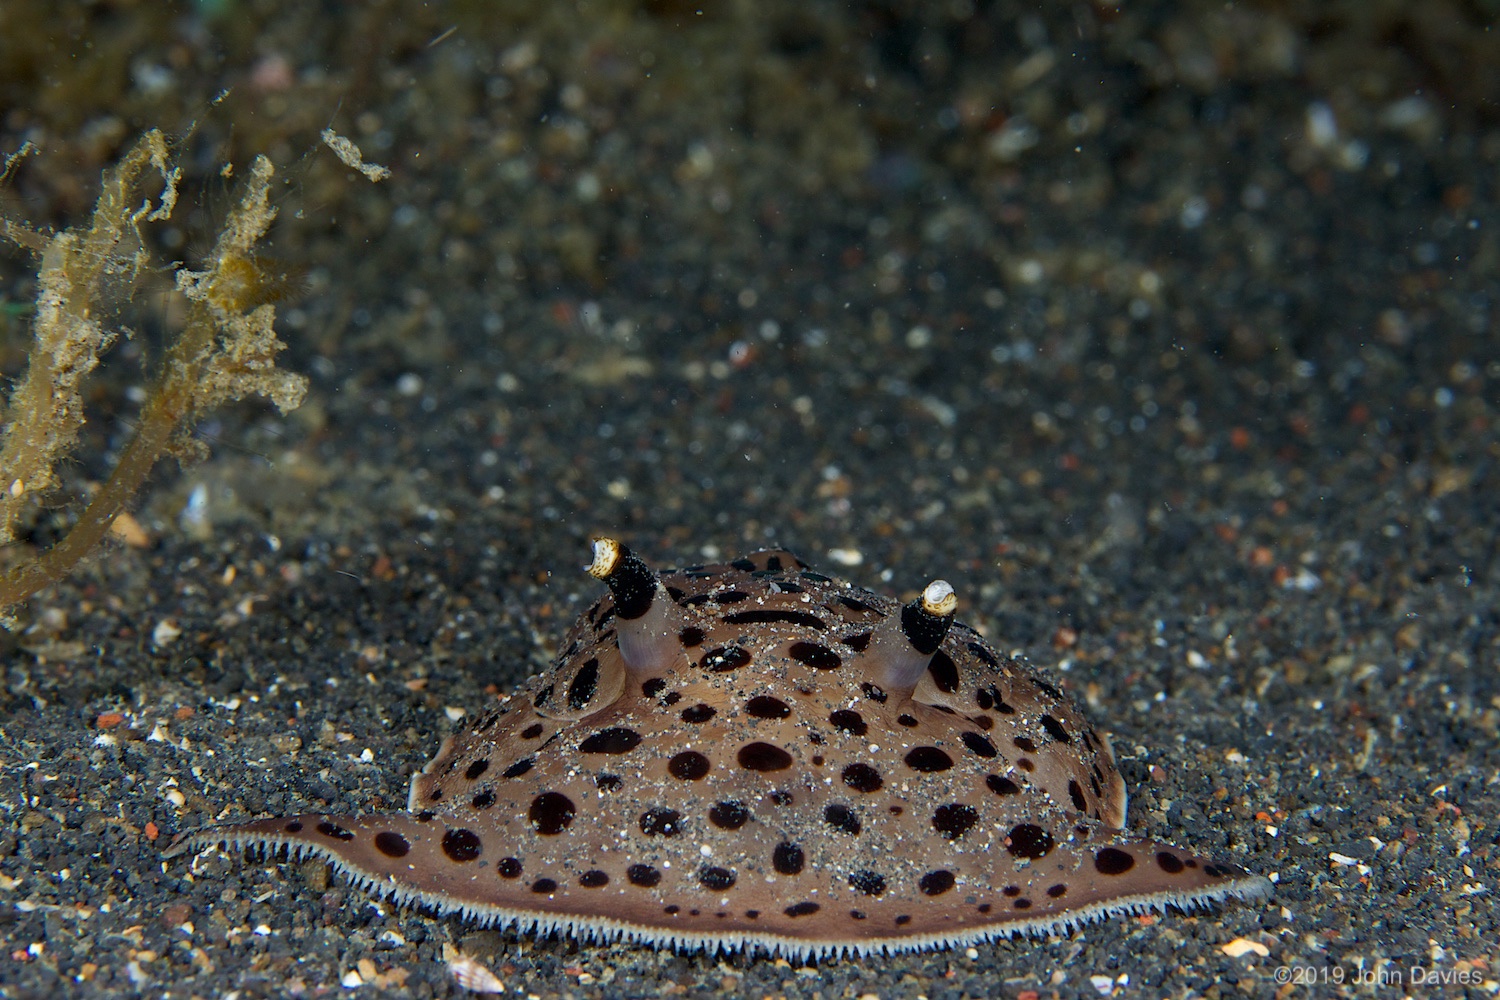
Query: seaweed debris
(226, 350)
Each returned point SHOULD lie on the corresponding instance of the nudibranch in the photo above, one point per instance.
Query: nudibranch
(757, 756)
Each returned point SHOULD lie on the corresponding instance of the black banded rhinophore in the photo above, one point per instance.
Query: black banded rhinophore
(753, 755)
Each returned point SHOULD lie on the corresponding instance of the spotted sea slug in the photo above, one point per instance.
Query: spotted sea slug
(756, 756)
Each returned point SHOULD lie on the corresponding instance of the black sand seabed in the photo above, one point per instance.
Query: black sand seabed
(1168, 335)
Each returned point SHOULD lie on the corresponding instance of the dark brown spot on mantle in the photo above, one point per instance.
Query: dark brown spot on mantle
(461, 845)
(391, 844)
(763, 757)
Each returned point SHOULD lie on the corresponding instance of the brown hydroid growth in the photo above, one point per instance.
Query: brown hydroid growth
(225, 351)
